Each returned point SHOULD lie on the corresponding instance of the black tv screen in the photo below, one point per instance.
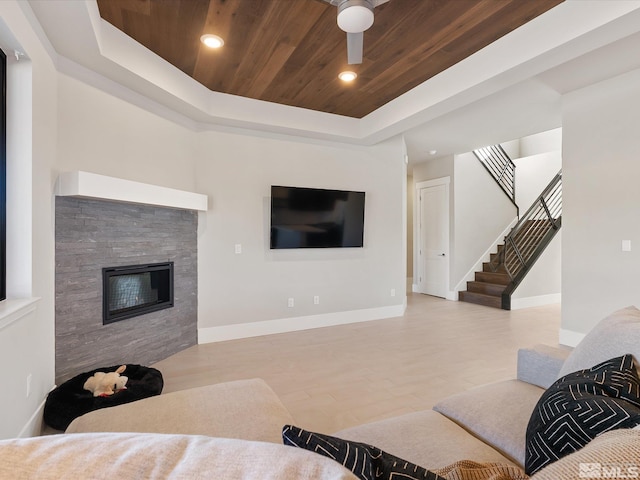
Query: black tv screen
(316, 218)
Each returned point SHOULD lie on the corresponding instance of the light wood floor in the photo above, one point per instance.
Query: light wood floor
(336, 377)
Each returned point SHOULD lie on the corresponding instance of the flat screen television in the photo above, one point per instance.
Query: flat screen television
(316, 218)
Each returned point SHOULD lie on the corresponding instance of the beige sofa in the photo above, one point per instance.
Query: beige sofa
(233, 430)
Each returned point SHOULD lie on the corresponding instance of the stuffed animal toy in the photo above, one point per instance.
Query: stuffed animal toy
(104, 384)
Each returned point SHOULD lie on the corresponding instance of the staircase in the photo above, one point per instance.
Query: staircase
(506, 268)
(500, 166)
(487, 287)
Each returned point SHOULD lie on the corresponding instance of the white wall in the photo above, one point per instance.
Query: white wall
(432, 169)
(237, 173)
(540, 162)
(100, 133)
(533, 174)
(482, 212)
(27, 342)
(549, 141)
(601, 148)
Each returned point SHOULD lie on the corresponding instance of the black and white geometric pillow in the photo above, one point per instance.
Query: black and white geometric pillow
(580, 406)
(365, 461)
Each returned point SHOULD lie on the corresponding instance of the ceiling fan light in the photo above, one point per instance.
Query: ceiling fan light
(347, 76)
(355, 16)
(212, 41)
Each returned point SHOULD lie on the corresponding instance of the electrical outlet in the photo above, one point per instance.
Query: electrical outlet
(393, 292)
(238, 248)
(290, 303)
(316, 299)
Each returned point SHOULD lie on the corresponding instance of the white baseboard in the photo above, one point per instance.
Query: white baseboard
(526, 302)
(293, 324)
(570, 338)
(33, 427)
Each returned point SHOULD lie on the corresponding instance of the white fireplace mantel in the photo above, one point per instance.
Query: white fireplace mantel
(92, 185)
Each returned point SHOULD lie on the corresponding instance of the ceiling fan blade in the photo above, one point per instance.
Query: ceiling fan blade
(355, 45)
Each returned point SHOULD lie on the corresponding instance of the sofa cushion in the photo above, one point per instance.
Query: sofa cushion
(614, 336)
(581, 406)
(156, 456)
(497, 413)
(614, 454)
(367, 462)
(245, 409)
(425, 438)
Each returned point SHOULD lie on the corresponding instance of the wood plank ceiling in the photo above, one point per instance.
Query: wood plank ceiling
(291, 51)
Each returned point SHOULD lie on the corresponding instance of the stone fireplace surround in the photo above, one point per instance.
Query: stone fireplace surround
(92, 233)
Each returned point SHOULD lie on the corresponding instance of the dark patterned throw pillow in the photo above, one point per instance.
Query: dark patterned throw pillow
(580, 406)
(365, 461)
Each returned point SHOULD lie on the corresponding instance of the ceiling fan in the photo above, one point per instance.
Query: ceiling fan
(354, 17)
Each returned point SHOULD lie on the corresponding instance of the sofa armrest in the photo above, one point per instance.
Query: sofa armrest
(541, 364)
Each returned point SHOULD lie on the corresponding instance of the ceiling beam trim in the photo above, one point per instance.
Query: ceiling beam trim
(566, 32)
(559, 35)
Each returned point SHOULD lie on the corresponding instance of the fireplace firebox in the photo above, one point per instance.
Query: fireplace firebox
(134, 290)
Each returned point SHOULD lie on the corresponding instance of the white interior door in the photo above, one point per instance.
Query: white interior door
(433, 238)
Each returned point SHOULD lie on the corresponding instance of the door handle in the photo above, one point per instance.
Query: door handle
(441, 255)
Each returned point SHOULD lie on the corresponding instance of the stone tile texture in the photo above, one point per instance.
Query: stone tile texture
(93, 234)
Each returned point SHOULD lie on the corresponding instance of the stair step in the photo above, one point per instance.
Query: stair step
(494, 256)
(486, 267)
(485, 288)
(480, 299)
(490, 277)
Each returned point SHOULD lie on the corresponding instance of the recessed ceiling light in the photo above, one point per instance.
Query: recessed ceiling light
(432, 152)
(347, 76)
(212, 41)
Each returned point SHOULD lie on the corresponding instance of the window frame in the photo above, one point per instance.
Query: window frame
(3, 176)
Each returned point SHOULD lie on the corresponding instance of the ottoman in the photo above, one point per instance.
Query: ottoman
(243, 409)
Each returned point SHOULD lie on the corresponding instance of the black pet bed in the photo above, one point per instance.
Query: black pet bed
(70, 400)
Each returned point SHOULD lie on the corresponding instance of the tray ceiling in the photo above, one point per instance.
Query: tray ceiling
(290, 51)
